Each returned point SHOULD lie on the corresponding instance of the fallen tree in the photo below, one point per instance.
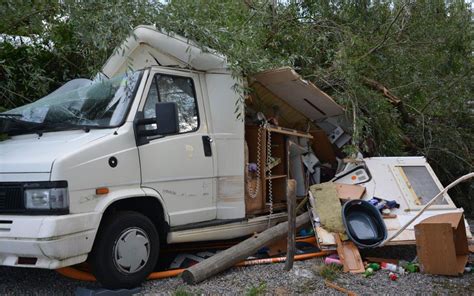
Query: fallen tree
(228, 258)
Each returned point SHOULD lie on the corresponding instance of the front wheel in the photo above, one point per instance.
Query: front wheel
(125, 251)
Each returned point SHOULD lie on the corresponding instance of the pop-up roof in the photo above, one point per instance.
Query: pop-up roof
(148, 46)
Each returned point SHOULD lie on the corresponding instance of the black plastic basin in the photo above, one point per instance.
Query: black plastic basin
(364, 224)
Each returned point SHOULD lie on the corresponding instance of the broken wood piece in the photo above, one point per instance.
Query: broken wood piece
(441, 244)
(322, 147)
(349, 256)
(287, 131)
(350, 192)
(277, 248)
(340, 289)
(228, 258)
(291, 245)
(389, 216)
(380, 260)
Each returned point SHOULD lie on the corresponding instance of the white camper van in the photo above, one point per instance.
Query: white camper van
(150, 152)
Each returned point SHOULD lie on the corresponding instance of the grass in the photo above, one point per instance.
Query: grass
(257, 290)
(328, 271)
(181, 292)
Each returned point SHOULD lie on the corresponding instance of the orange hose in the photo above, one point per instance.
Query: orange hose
(76, 274)
(283, 259)
(79, 275)
(165, 274)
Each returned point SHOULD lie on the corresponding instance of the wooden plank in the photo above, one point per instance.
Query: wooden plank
(381, 260)
(291, 202)
(251, 137)
(322, 147)
(435, 248)
(287, 131)
(279, 206)
(441, 244)
(349, 256)
(340, 289)
(276, 177)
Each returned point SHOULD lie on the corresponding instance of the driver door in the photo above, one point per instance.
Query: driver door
(180, 167)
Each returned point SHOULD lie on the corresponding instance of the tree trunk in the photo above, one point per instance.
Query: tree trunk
(228, 258)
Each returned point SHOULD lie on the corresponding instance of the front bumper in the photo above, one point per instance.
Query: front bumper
(46, 241)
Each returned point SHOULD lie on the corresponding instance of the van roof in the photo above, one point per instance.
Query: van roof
(147, 46)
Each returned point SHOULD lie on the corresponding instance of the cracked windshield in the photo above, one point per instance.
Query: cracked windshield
(80, 103)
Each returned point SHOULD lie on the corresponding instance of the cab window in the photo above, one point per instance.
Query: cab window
(180, 90)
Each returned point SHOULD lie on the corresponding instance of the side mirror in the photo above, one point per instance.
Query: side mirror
(166, 121)
(167, 118)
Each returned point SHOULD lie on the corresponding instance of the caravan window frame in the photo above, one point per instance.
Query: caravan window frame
(409, 194)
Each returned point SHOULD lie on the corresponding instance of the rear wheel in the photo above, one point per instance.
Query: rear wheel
(125, 251)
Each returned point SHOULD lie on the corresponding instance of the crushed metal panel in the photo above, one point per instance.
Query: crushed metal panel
(302, 95)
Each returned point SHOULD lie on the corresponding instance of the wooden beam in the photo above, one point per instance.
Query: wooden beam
(291, 241)
(228, 258)
(287, 131)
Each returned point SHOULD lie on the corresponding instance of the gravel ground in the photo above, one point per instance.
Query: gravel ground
(274, 280)
(262, 279)
(265, 279)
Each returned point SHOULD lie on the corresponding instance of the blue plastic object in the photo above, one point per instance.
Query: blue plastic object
(364, 224)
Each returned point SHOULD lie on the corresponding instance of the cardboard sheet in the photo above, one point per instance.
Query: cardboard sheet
(350, 192)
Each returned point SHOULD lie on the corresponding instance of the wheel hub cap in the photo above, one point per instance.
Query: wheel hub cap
(131, 250)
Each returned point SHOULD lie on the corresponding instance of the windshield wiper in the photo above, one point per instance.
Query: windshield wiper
(10, 115)
(18, 127)
(51, 127)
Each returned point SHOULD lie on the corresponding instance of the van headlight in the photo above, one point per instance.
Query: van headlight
(47, 199)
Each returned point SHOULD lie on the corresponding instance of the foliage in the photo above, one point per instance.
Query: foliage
(181, 291)
(421, 51)
(328, 271)
(257, 290)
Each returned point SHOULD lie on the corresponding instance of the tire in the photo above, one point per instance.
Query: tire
(125, 250)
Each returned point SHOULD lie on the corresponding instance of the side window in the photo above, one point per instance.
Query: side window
(166, 88)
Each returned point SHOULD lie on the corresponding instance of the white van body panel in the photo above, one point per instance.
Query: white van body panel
(56, 241)
(24, 177)
(228, 134)
(226, 231)
(17, 155)
(87, 168)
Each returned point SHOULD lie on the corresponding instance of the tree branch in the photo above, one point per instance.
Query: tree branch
(385, 37)
(394, 100)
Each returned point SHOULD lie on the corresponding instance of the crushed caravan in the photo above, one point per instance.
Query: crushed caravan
(151, 152)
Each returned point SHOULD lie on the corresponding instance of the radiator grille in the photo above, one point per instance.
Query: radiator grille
(11, 198)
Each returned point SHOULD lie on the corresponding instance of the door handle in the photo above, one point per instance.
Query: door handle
(206, 142)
